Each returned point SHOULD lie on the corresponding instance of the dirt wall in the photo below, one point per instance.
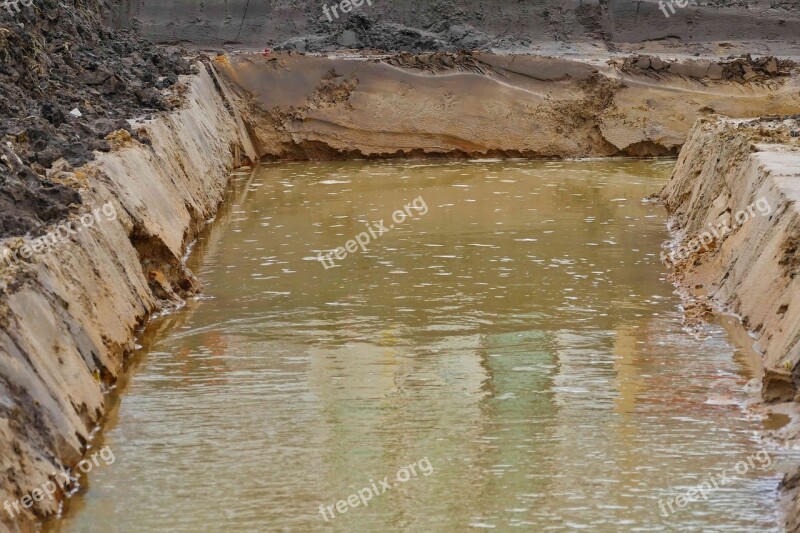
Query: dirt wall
(69, 315)
(462, 104)
(750, 267)
(738, 183)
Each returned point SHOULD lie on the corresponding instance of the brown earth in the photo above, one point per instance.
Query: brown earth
(476, 104)
(753, 269)
(68, 317)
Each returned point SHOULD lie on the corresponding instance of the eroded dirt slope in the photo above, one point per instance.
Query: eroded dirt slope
(466, 104)
(751, 267)
(738, 183)
(68, 316)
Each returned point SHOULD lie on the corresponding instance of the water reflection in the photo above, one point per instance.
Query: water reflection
(520, 335)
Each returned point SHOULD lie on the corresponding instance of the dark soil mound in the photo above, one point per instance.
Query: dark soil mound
(67, 81)
(359, 31)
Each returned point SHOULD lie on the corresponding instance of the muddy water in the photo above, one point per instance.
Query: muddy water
(515, 340)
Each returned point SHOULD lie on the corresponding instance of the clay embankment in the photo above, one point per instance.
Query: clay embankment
(66, 82)
(753, 270)
(465, 104)
(69, 316)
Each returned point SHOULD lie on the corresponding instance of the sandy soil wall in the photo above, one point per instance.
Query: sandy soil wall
(69, 316)
(750, 266)
(479, 104)
(725, 168)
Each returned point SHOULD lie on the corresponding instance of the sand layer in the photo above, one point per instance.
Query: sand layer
(734, 200)
(750, 264)
(463, 104)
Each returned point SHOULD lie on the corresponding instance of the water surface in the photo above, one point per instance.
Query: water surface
(519, 336)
